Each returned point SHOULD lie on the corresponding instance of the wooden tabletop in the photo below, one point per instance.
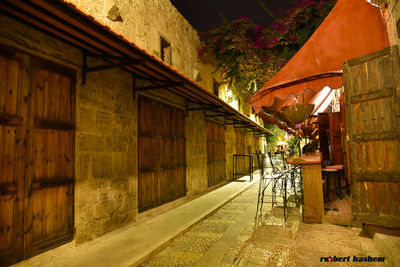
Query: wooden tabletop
(312, 158)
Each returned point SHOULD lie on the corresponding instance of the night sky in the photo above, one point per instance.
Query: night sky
(204, 14)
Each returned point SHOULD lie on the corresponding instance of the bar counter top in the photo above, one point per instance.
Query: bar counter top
(309, 158)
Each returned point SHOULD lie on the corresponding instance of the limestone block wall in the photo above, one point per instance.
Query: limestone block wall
(246, 108)
(106, 154)
(392, 16)
(145, 22)
(230, 149)
(106, 138)
(196, 153)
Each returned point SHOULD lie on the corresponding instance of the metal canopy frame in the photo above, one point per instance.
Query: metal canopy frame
(116, 62)
(64, 21)
(166, 84)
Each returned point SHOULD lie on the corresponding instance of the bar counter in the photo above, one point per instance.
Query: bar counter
(312, 185)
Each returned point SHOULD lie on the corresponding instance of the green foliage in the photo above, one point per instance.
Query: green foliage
(272, 140)
(248, 54)
(293, 143)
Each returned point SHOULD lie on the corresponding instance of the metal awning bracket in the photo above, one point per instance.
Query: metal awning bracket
(205, 107)
(216, 116)
(166, 84)
(113, 62)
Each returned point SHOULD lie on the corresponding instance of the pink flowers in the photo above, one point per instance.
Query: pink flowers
(258, 27)
(246, 51)
(202, 51)
(259, 43)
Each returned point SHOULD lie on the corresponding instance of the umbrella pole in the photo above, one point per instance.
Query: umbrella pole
(298, 125)
(299, 149)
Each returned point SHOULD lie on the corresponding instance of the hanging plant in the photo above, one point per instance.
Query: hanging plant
(248, 54)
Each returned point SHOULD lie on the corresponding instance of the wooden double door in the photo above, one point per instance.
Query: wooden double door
(372, 91)
(37, 117)
(216, 163)
(162, 153)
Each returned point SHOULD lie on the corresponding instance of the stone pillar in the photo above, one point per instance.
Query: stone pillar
(196, 153)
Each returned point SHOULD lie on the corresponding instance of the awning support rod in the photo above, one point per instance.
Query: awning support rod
(159, 86)
(120, 63)
(205, 107)
(236, 123)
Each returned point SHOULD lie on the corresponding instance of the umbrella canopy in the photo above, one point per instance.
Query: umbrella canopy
(352, 29)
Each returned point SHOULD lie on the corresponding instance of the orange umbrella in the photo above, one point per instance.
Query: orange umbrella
(352, 29)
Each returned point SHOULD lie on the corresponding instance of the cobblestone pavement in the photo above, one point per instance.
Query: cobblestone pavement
(232, 237)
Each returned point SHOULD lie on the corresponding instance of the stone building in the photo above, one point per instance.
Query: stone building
(102, 120)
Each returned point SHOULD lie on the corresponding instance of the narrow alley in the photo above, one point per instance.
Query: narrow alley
(132, 134)
(232, 236)
(222, 234)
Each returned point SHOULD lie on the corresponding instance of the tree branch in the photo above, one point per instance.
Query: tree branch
(262, 4)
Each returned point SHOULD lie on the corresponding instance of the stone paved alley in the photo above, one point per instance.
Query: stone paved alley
(228, 238)
(217, 229)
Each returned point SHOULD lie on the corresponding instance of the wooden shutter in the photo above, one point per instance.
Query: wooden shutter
(162, 156)
(37, 118)
(372, 111)
(50, 178)
(216, 163)
(13, 90)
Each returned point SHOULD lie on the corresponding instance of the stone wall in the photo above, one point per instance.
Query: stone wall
(196, 153)
(249, 143)
(106, 154)
(230, 149)
(106, 138)
(145, 22)
(392, 16)
(106, 116)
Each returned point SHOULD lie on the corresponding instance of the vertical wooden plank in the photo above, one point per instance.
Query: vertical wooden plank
(51, 95)
(3, 81)
(161, 152)
(371, 111)
(50, 158)
(62, 99)
(7, 154)
(38, 149)
(6, 223)
(40, 89)
(3, 178)
(11, 93)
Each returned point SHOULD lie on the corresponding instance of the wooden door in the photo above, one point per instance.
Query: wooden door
(37, 102)
(216, 163)
(323, 125)
(335, 136)
(50, 179)
(13, 90)
(162, 156)
(372, 110)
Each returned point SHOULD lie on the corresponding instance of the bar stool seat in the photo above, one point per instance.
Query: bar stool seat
(329, 174)
(336, 167)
